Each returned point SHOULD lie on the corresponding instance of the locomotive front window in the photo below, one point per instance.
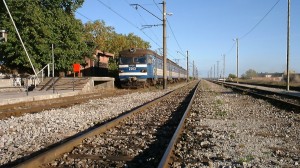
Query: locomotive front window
(125, 60)
(141, 60)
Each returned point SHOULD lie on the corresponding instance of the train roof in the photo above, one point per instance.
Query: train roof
(134, 52)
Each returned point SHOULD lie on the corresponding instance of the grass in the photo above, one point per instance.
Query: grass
(246, 159)
(219, 101)
(221, 113)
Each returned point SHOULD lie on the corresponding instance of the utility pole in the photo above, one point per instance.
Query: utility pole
(211, 73)
(12, 20)
(193, 70)
(237, 60)
(187, 66)
(218, 75)
(164, 45)
(224, 67)
(214, 71)
(288, 49)
(164, 38)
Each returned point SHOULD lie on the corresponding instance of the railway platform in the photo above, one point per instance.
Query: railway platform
(63, 88)
(18, 96)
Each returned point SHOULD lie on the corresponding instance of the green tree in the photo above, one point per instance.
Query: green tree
(249, 74)
(42, 23)
(106, 39)
(232, 76)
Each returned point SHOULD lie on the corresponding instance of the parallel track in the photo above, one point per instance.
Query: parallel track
(22, 108)
(286, 101)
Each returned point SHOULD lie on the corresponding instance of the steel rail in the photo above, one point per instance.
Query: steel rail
(262, 90)
(292, 106)
(251, 91)
(167, 155)
(68, 145)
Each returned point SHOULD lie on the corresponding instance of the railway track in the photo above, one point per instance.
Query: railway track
(19, 109)
(287, 101)
(137, 138)
(216, 135)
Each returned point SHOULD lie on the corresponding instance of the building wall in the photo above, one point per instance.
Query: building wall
(95, 68)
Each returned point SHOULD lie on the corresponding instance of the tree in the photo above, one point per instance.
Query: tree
(231, 76)
(249, 74)
(49, 22)
(105, 38)
(45, 22)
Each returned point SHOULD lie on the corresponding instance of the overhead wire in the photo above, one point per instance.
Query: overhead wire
(169, 25)
(84, 16)
(229, 51)
(260, 20)
(254, 27)
(145, 22)
(132, 24)
(155, 25)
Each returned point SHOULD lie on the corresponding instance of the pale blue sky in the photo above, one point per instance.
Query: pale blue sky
(206, 28)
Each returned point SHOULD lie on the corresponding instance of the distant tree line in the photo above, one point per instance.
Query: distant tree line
(45, 22)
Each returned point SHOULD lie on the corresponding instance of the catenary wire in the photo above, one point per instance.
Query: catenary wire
(259, 21)
(145, 22)
(84, 16)
(127, 21)
(169, 27)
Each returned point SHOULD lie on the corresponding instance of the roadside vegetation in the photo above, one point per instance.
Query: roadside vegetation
(46, 22)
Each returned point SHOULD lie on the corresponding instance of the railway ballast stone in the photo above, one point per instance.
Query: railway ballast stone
(226, 129)
(20, 136)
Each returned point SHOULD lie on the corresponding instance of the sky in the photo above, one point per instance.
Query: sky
(208, 29)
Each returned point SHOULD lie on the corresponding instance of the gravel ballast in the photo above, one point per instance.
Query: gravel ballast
(20, 136)
(226, 129)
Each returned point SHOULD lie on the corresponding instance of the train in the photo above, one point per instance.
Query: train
(144, 67)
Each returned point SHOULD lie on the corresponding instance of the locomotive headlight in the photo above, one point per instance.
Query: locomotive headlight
(144, 70)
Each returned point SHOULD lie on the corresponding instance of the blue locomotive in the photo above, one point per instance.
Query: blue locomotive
(142, 67)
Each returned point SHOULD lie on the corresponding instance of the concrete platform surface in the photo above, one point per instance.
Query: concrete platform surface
(12, 97)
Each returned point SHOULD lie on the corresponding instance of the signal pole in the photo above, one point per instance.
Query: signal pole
(237, 60)
(224, 67)
(164, 46)
(288, 50)
(193, 70)
(211, 76)
(214, 71)
(187, 66)
(218, 70)
(164, 38)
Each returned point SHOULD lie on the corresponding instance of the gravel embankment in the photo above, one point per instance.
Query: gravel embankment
(226, 129)
(21, 136)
